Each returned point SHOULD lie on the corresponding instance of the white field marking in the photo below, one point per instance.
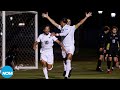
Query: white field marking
(56, 67)
(41, 68)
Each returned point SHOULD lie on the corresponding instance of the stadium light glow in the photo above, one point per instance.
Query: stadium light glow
(100, 12)
(21, 24)
(11, 18)
(113, 14)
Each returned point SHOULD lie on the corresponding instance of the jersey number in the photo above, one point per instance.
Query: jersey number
(113, 41)
(46, 42)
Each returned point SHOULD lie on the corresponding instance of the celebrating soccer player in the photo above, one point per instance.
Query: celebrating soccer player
(47, 58)
(67, 34)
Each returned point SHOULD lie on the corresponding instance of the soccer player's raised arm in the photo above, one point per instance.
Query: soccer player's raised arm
(83, 20)
(63, 48)
(45, 15)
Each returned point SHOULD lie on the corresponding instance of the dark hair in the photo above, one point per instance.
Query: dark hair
(115, 28)
(106, 28)
(46, 26)
(64, 20)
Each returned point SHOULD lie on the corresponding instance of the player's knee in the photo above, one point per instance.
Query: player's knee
(69, 56)
(43, 63)
(116, 60)
(110, 59)
(50, 67)
(101, 58)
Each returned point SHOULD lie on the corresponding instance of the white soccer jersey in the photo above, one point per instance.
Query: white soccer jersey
(68, 31)
(46, 41)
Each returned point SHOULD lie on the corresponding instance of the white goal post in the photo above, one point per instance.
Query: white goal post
(23, 35)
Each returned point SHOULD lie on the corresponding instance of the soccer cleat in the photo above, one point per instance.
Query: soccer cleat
(109, 71)
(64, 73)
(99, 70)
(70, 73)
(66, 78)
(112, 68)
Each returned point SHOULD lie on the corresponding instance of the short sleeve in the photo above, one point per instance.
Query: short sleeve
(59, 27)
(73, 27)
(39, 38)
(54, 38)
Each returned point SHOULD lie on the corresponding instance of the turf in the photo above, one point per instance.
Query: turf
(84, 69)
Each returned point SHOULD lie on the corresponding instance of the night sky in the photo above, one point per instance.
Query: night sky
(86, 36)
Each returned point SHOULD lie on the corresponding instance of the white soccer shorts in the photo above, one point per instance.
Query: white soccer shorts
(47, 56)
(69, 49)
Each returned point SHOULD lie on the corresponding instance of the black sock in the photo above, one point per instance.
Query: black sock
(99, 63)
(64, 59)
(108, 64)
(114, 63)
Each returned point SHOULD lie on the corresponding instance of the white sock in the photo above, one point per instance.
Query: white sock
(64, 65)
(45, 72)
(68, 67)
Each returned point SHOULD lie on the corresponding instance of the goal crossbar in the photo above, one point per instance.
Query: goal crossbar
(17, 12)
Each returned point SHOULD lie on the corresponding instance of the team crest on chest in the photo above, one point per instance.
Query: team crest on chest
(46, 42)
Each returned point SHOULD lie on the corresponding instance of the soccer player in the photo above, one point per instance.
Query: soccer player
(47, 58)
(67, 34)
(10, 57)
(103, 37)
(113, 47)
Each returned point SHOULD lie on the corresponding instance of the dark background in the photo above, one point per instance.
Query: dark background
(86, 36)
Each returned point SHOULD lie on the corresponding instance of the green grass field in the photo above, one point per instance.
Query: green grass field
(84, 65)
(84, 69)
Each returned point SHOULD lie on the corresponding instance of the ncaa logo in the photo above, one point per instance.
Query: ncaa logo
(6, 72)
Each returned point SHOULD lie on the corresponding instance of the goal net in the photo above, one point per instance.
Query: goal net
(0, 41)
(20, 29)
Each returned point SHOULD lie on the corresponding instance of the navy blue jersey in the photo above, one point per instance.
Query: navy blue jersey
(113, 41)
(103, 39)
